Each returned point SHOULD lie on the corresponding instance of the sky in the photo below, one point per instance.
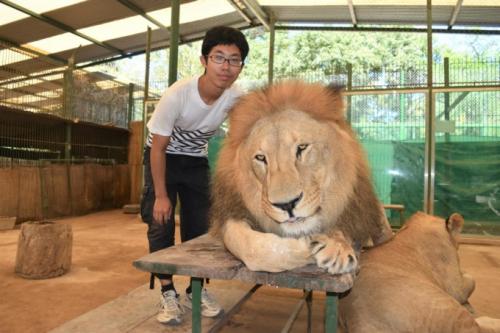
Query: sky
(461, 43)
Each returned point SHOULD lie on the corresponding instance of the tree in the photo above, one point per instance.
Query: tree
(299, 52)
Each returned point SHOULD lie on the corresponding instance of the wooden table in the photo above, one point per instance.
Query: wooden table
(400, 209)
(206, 257)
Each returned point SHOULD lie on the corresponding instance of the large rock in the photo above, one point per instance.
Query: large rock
(44, 250)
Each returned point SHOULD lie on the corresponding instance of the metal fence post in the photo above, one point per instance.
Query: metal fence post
(272, 33)
(349, 88)
(174, 42)
(130, 114)
(68, 104)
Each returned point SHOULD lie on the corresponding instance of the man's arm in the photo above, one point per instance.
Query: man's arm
(162, 207)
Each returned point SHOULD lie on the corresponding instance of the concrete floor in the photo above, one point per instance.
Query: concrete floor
(106, 243)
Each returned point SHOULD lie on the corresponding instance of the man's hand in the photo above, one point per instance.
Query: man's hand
(162, 210)
(162, 207)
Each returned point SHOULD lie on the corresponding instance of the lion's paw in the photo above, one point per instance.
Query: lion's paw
(333, 254)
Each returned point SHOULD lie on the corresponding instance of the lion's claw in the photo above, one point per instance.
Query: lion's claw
(333, 254)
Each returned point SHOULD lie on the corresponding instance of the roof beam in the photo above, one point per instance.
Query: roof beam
(61, 26)
(352, 12)
(36, 55)
(236, 5)
(32, 77)
(188, 39)
(454, 15)
(46, 57)
(381, 29)
(138, 10)
(255, 8)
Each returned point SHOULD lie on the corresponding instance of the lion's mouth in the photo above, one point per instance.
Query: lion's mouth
(294, 220)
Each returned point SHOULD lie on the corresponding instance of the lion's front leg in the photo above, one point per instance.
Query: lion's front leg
(265, 251)
(334, 253)
(488, 325)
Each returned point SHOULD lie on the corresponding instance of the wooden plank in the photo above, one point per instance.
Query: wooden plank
(9, 196)
(136, 311)
(225, 295)
(29, 206)
(206, 256)
(200, 257)
(118, 315)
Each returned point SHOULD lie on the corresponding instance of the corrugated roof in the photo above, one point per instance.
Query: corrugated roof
(112, 27)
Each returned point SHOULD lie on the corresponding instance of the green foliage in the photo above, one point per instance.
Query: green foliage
(330, 52)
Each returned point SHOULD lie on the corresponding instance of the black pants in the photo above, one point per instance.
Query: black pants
(187, 178)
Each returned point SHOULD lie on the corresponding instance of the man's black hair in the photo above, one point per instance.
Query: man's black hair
(224, 36)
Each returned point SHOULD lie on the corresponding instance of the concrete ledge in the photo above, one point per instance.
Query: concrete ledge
(7, 222)
(131, 209)
(480, 240)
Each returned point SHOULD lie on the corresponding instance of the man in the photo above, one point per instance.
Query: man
(186, 117)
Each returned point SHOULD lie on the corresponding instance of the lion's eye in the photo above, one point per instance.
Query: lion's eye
(301, 148)
(261, 158)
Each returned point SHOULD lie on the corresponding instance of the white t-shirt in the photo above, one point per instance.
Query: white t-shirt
(182, 115)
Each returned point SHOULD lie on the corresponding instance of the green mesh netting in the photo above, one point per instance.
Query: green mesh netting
(467, 180)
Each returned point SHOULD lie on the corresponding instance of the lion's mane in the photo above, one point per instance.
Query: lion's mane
(357, 211)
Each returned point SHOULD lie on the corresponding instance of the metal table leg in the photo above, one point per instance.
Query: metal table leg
(309, 311)
(196, 305)
(331, 313)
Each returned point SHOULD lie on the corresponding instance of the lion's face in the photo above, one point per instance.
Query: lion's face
(290, 166)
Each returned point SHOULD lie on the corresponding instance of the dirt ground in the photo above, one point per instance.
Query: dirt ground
(106, 243)
(104, 246)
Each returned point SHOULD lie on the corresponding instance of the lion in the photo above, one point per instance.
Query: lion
(292, 186)
(413, 283)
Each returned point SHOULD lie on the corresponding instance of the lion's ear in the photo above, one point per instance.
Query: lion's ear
(336, 100)
(335, 88)
(454, 224)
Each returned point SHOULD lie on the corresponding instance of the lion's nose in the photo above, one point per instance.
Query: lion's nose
(290, 205)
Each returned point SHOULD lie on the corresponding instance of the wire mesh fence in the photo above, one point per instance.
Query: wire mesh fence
(49, 112)
(477, 72)
(457, 72)
(467, 150)
(98, 98)
(37, 83)
(28, 139)
(29, 80)
(392, 128)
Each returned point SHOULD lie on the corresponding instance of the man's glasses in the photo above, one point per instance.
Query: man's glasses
(218, 59)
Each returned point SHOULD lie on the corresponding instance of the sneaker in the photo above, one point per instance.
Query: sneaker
(171, 310)
(209, 306)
